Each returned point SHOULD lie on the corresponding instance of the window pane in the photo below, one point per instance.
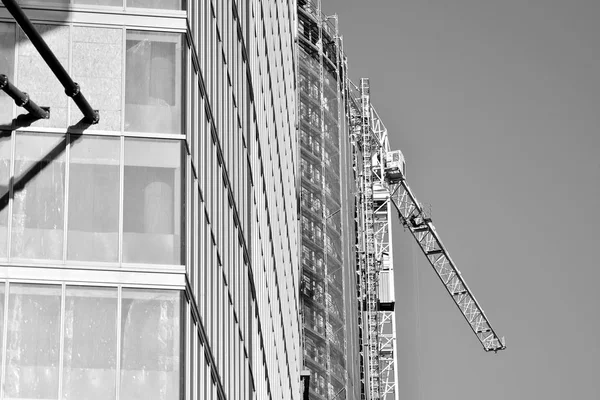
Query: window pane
(90, 349)
(7, 66)
(4, 179)
(38, 208)
(153, 202)
(33, 341)
(164, 4)
(94, 199)
(154, 82)
(150, 348)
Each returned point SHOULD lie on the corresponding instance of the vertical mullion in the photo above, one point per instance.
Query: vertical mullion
(62, 341)
(118, 363)
(69, 66)
(15, 65)
(4, 340)
(12, 162)
(13, 151)
(66, 199)
(122, 142)
(123, 76)
(187, 353)
(121, 195)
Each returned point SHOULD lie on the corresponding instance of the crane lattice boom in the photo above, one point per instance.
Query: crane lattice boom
(413, 217)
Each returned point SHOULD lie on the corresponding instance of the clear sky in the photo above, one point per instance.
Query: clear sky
(496, 106)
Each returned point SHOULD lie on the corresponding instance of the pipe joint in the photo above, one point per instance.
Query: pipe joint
(3, 81)
(22, 101)
(72, 91)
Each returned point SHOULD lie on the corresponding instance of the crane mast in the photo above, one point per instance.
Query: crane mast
(382, 188)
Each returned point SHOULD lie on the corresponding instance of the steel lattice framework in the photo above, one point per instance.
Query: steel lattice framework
(378, 196)
(376, 315)
(413, 217)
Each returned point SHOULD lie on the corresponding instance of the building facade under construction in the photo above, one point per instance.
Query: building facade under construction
(348, 320)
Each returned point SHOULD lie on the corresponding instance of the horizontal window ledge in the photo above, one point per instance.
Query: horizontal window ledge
(174, 278)
(146, 18)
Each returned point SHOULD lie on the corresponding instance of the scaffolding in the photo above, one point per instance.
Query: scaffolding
(324, 221)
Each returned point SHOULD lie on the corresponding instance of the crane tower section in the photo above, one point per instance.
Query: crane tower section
(374, 257)
(382, 188)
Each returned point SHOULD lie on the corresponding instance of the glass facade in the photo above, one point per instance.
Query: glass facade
(152, 255)
(63, 341)
(150, 202)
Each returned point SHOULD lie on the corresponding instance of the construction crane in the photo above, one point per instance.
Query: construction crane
(382, 189)
(414, 218)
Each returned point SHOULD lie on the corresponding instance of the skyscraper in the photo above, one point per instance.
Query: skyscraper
(154, 254)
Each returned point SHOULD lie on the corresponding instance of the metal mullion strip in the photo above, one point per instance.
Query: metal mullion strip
(61, 357)
(122, 147)
(3, 343)
(187, 354)
(66, 207)
(15, 65)
(187, 218)
(69, 66)
(121, 197)
(118, 361)
(123, 76)
(13, 145)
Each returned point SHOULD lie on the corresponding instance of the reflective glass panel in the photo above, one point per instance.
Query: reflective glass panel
(7, 67)
(153, 202)
(4, 193)
(154, 82)
(93, 233)
(38, 206)
(90, 349)
(33, 342)
(151, 345)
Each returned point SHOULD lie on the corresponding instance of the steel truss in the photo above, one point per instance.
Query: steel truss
(378, 195)
(376, 314)
(414, 219)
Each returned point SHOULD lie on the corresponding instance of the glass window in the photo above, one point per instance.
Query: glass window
(90, 349)
(153, 209)
(33, 342)
(151, 345)
(7, 67)
(154, 82)
(4, 193)
(93, 233)
(38, 206)
(162, 4)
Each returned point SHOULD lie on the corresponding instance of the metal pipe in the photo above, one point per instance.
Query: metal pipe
(71, 88)
(22, 99)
